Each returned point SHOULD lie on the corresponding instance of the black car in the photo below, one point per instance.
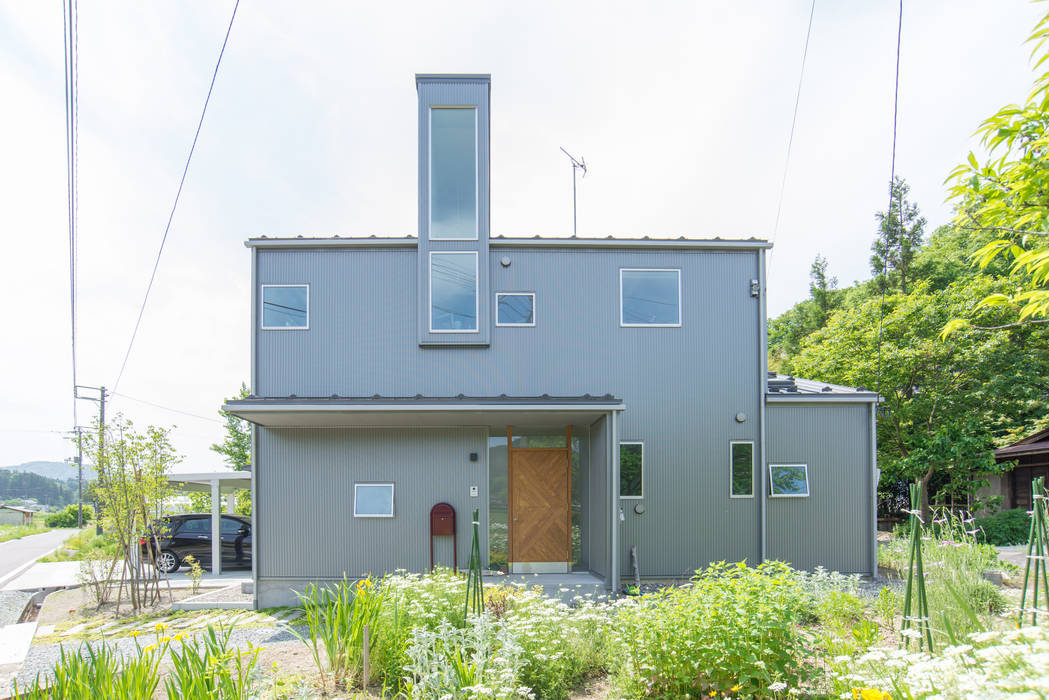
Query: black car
(181, 535)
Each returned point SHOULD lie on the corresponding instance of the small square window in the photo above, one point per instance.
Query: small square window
(515, 309)
(741, 464)
(373, 500)
(285, 307)
(649, 297)
(789, 480)
(631, 469)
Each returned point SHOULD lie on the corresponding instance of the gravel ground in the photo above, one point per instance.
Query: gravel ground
(12, 603)
(41, 659)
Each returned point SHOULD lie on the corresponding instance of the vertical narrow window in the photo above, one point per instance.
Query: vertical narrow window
(649, 297)
(453, 292)
(741, 464)
(285, 307)
(631, 469)
(515, 309)
(453, 173)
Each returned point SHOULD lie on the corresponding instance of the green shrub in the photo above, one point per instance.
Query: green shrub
(209, 669)
(734, 630)
(1005, 527)
(67, 517)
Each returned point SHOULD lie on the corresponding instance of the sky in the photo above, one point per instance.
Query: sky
(682, 111)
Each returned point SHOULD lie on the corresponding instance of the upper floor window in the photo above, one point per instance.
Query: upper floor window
(453, 173)
(285, 306)
(649, 297)
(789, 480)
(515, 309)
(453, 292)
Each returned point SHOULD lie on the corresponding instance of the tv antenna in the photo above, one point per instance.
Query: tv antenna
(577, 165)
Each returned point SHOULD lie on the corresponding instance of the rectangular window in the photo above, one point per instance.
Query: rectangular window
(515, 309)
(453, 292)
(742, 469)
(373, 500)
(631, 469)
(789, 480)
(453, 173)
(649, 297)
(285, 307)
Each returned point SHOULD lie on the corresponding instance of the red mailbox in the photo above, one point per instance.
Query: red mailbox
(442, 524)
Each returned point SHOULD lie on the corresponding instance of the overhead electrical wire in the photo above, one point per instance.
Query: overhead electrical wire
(793, 123)
(178, 194)
(888, 210)
(166, 408)
(70, 36)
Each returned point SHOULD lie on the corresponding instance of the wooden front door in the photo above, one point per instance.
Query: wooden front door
(540, 498)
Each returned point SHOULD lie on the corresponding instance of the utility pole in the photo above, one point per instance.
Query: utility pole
(79, 479)
(100, 460)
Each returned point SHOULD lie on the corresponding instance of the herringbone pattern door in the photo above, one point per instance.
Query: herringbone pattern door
(539, 507)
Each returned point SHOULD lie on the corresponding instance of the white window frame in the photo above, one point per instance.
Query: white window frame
(477, 291)
(623, 324)
(731, 465)
(262, 308)
(429, 175)
(514, 294)
(393, 502)
(808, 490)
(642, 495)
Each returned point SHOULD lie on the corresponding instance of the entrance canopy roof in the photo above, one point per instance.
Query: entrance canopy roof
(493, 411)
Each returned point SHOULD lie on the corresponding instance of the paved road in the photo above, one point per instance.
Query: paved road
(15, 554)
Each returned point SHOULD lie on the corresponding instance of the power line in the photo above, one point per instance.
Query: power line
(70, 38)
(793, 122)
(178, 194)
(888, 211)
(166, 408)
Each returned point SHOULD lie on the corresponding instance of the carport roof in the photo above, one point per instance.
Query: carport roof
(787, 389)
(376, 410)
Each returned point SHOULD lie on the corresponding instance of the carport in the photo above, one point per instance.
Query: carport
(216, 483)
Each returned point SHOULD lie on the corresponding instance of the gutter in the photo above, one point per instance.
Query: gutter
(763, 365)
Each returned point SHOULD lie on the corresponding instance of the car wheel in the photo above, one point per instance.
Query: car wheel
(168, 562)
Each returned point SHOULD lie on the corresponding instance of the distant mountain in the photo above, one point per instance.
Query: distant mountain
(22, 486)
(52, 470)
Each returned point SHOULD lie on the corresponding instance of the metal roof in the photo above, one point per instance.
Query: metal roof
(1035, 443)
(680, 243)
(787, 388)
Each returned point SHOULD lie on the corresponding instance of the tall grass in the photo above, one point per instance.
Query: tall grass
(99, 673)
(211, 668)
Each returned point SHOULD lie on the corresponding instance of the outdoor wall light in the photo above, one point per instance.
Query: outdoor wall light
(741, 417)
(505, 261)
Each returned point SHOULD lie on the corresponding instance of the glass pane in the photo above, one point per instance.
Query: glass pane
(515, 309)
(529, 436)
(374, 499)
(453, 173)
(498, 530)
(453, 291)
(789, 481)
(650, 297)
(284, 307)
(630, 468)
(742, 469)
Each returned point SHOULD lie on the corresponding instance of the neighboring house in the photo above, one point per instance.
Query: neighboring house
(13, 515)
(1030, 457)
(586, 396)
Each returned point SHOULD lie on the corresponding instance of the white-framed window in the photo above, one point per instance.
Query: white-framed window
(453, 292)
(453, 173)
(789, 480)
(515, 309)
(285, 307)
(631, 470)
(650, 297)
(373, 500)
(741, 469)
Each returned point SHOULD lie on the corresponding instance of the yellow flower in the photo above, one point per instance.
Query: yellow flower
(168, 639)
(870, 694)
(160, 627)
(274, 665)
(735, 688)
(150, 649)
(178, 637)
(134, 633)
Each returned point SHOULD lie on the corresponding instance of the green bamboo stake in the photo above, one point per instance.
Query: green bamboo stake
(474, 585)
(915, 592)
(1037, 552)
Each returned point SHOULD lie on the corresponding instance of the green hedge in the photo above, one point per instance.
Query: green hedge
(1005, 527)
(67, 517)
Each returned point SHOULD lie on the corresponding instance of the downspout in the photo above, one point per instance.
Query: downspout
(254, 378)
(613, 572)
(875, 477)
(763, 365)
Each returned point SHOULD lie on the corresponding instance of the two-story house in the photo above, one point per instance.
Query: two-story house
(587, 396)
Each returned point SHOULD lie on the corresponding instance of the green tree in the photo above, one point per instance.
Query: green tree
(945, 405)
(236, 449)
(1008, 197)
(900, 234)
(821, 286)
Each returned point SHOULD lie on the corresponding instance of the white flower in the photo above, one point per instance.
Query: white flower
(779, 685)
